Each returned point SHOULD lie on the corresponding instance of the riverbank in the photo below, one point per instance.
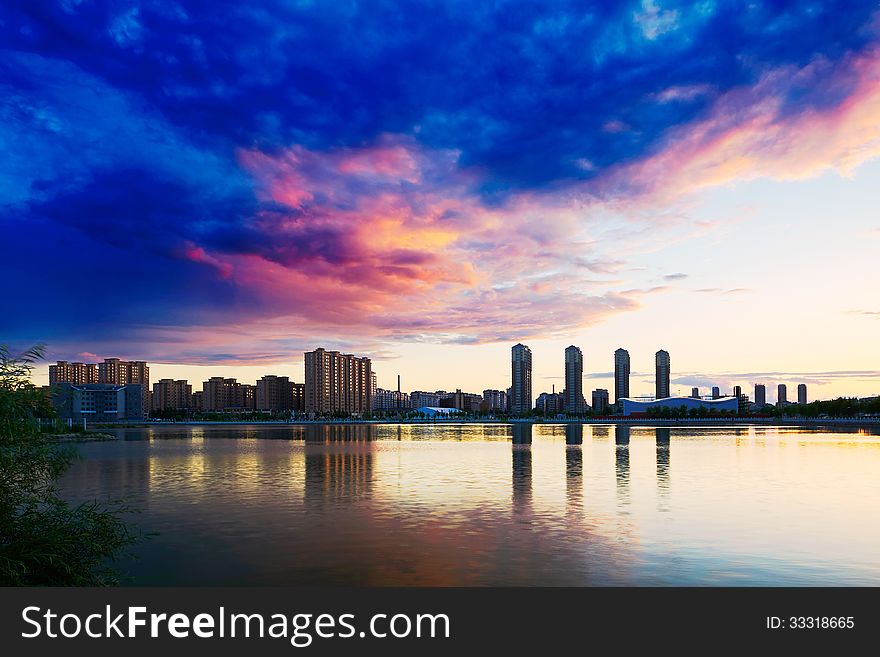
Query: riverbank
(81, 437)
(643, 421)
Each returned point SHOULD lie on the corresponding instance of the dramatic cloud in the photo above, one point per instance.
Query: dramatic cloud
(757, 131)
(227, 182)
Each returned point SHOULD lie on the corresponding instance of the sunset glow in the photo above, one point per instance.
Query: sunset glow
(217, 188)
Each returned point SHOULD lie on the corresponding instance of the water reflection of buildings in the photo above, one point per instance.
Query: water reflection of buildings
(130, 477)
(662, 436)
(622, 435)
(574, 467)
(621, 463)
(339, 462)
(521, 454)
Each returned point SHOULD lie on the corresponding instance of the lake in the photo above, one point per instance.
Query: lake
(493, 504)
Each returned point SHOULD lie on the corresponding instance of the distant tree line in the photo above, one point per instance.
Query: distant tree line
(840, 407)
(679, 412)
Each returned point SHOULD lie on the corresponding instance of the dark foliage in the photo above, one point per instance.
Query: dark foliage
(45, 540)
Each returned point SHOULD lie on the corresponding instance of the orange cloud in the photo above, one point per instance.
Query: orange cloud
(394, 240)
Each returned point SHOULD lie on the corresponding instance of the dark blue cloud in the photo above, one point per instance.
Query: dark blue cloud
(522, 88)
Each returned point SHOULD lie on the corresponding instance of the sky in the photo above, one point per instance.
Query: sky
(218, 187)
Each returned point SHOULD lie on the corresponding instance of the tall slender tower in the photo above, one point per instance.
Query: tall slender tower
(802, 393)
(661, 361)
(760, 394)
(574, 380)
(781, 394)
(621, 374)
(521, 379)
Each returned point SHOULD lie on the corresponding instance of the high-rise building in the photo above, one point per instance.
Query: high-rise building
(125, 372)
(802, 393)
(695, 393)
(600, 400)
(760, 394)
(496, 400)
(621, 374)
(716, 392)
(661, 362)
(742, 400)
(171, 395)
(337, 382)
(781, 394)
(278, 394)
(77, 373)
(574, 380)
(521, 379)
(223, 394)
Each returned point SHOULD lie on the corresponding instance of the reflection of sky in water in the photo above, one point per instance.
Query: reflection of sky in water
(494, 504)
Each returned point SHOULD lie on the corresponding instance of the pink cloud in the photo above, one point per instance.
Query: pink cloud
(751, 133)
(615, 126)
(393, 241)
(198, 254)
(683, 93)
(391, 161)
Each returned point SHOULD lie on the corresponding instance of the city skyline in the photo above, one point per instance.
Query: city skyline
(217, 206)
(642, 379)
(363, 385)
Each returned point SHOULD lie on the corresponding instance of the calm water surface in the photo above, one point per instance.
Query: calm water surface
(494, 504)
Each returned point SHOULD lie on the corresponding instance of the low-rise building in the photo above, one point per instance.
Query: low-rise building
(461, 401)
(600, 400)
(391, 400)
(98, 402)
(643, 407)
(550, 403)
(496, 400)
(419, 398)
